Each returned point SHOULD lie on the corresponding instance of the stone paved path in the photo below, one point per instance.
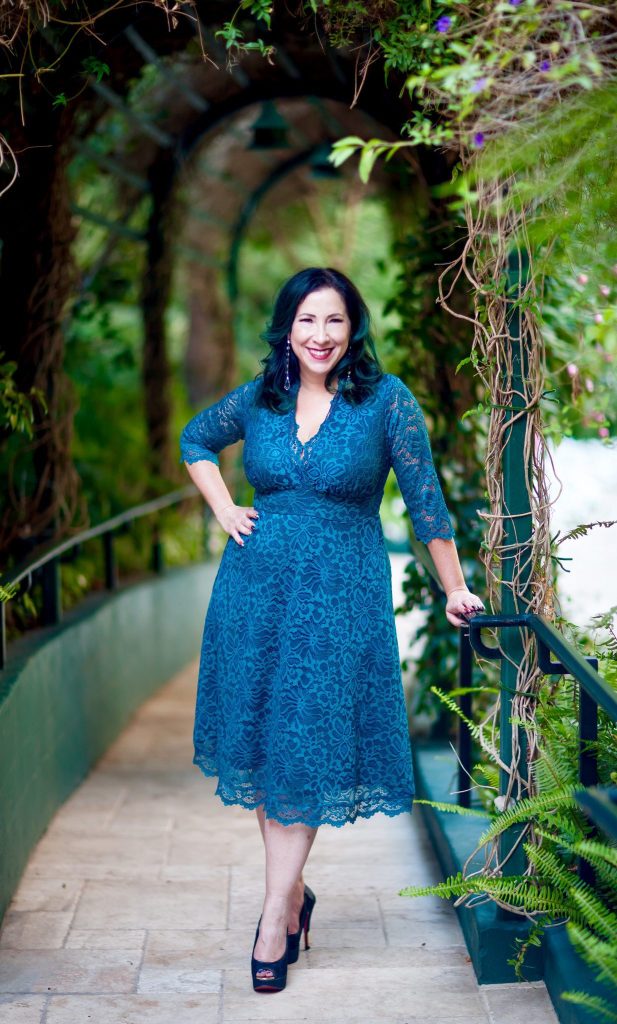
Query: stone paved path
(140, 902)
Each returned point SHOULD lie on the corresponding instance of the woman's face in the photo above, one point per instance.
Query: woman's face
(320, 332)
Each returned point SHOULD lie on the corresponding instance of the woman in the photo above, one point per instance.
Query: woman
(300, 708)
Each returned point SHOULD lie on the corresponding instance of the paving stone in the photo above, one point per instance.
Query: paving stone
(179, 980)
(106, 938)
(98, 855)
(510, 1004)
(22, 1009)
(47, 894)
(150, 904)
(35, 929)
(199, 949)
(352, 1018)
(402, 990)
(68, 970)
(325, 952)
(134, 1009)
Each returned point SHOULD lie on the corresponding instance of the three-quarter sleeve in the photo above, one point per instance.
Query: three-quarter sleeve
(216, 427)
(412, 461)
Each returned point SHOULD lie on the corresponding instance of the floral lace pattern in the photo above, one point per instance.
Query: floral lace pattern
(300, 705)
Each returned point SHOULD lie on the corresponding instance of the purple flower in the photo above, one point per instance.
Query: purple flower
(443, 24)
(479, 85)
(545, 65)
(478, 139)
(514, 3)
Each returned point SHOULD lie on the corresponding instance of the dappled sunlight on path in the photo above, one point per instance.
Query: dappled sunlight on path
(139, 906)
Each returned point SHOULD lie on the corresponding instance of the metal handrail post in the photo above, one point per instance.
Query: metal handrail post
(111, 567)
(516, 562)
(465, 704)
(51, 611)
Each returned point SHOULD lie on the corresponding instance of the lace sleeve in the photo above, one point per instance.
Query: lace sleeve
(216, 427)
(412, 461)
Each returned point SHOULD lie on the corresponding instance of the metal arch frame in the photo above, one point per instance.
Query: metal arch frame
(250, 207)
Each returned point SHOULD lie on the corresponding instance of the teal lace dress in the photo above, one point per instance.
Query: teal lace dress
(300, 706)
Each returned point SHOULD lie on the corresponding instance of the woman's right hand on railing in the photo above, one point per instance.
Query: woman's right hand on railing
(237, 520)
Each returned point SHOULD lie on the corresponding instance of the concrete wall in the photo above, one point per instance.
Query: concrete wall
(69, 690)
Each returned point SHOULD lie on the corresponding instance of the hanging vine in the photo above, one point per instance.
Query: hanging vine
(479, 72)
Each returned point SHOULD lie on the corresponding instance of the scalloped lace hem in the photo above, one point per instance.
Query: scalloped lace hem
(337, 815)
(425, 538)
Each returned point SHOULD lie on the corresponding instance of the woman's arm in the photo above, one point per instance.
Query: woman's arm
(235, 519)
(460, 601)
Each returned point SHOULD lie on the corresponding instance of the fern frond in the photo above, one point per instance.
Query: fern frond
(515, 891)
(594, 847)
(550, 868)
(527, 810)
(583, 529)
(470, 812)
(593, 912)
(601, 856)
(490, 773)
(593, 1003)
(600, 955)
(603, 620)
(452, 706)
(556, 764)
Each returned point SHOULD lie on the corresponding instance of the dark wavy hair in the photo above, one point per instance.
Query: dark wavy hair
(366, 370)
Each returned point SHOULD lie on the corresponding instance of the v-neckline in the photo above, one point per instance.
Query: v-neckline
(296, 425)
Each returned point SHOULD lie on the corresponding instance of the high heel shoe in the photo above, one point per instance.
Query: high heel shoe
(293, 938)
(278, 968)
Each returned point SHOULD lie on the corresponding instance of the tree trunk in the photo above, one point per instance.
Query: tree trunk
(210, 355)
(41, 497)
(156, 292)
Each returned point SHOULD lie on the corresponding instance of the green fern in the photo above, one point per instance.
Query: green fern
(469, 812)
(452, 706)
(490, 773)
(601, 857)
(558, 834)
(594, 912)
(516, 890)
(595, 1004)
(527, 809)
(549, 866)
(583, 529)
(598, 853)
(598, 953)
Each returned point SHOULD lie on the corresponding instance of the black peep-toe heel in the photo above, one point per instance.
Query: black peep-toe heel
(293, 940)
(278, 979)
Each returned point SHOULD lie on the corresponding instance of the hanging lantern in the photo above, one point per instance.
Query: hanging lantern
(270, 129)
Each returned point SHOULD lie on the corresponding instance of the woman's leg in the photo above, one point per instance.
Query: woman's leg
(296, 899)
(287, 848)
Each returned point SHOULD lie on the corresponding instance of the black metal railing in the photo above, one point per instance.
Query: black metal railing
(600, 803)
(594, 691)
(45, 563)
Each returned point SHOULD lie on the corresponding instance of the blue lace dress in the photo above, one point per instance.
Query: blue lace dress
(300, 706)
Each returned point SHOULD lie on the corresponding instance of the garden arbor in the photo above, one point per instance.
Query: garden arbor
(158, 114)
(132, 132)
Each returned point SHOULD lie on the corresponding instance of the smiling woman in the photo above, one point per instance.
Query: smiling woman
(300, 708)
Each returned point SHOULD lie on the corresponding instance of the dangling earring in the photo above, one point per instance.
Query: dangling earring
(287, 384)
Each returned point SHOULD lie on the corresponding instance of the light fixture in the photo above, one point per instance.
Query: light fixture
(270, 129)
